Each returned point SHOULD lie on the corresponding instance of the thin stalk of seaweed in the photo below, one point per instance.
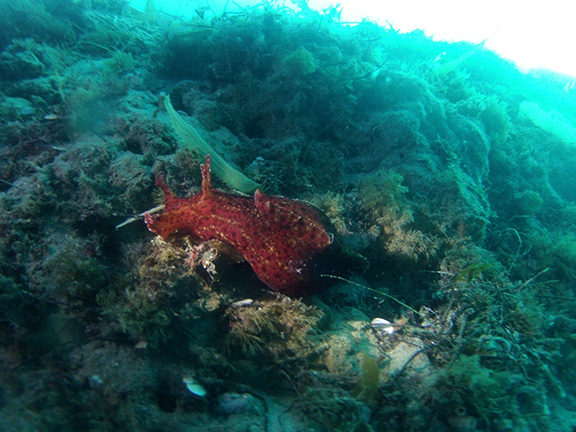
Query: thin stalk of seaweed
(374, 291)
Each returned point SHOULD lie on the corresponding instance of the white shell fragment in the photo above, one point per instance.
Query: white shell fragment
(193, 386)
(141, 345)
(242, 303)
(380, 324)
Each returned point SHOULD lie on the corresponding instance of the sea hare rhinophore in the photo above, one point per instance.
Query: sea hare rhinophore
(282, 239)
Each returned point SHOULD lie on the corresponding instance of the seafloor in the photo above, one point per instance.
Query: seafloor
(449, 176)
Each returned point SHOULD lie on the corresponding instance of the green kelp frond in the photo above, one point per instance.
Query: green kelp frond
(369, 379)
(192, 140)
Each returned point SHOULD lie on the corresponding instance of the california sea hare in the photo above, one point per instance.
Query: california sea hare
(282, 239)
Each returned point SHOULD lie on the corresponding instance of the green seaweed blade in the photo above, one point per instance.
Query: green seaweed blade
(192, 140)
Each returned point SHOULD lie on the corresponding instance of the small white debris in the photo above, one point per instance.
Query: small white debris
(141, 345)
(242, 303)
(382, 325)
(193, 386)
(94, 381)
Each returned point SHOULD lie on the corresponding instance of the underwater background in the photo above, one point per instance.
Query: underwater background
(447, 175)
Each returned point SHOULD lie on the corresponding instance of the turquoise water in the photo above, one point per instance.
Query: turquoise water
(444, 302)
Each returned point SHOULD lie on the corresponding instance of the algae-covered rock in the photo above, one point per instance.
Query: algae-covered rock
(15, 108)
(461, 195)
(300, 62)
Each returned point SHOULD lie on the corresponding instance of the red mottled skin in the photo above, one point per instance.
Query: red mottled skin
(279, 237)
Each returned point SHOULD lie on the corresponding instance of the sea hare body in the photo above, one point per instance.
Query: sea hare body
(282, 239)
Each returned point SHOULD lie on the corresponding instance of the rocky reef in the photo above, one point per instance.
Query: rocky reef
(449, 184)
